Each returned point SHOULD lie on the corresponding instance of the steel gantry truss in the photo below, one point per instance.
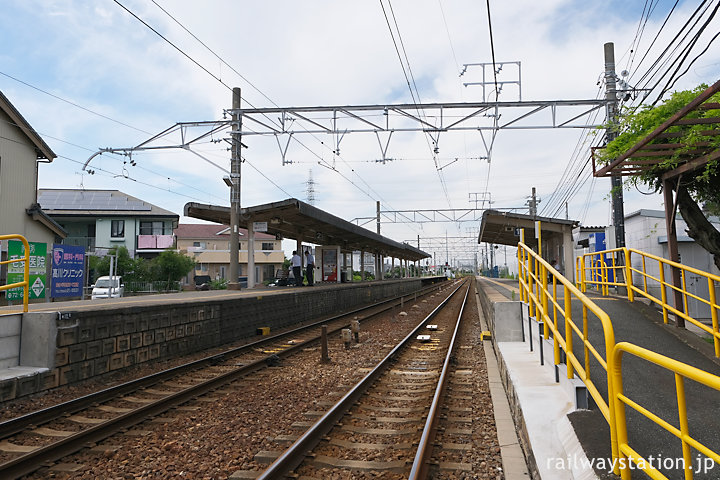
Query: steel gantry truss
(424, 216)
(382, 120)
(428, 215)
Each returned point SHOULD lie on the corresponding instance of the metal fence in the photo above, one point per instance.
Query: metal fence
(145, 288)
(650, 276)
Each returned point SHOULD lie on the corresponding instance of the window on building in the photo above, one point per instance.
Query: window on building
(199, 244)
(152, 228)
(268, 245)
(117, 228)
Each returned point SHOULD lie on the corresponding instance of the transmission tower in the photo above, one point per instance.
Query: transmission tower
(310, 189)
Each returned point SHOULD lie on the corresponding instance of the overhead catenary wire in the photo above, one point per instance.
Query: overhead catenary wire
(322, 161)
(127, 177)
(672, 58)
(414, 92)
(46, 135)
(73, 103)
(674, 76)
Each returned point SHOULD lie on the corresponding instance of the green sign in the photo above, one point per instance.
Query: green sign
(16, 270)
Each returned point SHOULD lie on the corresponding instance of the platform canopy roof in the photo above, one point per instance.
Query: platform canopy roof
(502, 228)
(294, 219)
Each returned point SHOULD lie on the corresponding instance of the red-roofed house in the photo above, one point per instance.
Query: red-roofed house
(209, 245)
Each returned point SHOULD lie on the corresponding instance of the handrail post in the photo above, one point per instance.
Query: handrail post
(628, 275)
(663, 293)
(568, 334)
(556, 342)
(546, 317)
(684, 429)
(714, 316)
(520, 273)
(25, 284)
(531, 286)
(618, 422)
(685, 299)
(26, 274)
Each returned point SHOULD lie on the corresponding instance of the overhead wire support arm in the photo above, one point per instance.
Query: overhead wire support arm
(450, 117)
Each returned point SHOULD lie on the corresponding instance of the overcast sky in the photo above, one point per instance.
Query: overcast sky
(100, 58)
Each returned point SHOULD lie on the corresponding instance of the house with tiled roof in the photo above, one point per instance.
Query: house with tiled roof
(209, 246)
(102, 219)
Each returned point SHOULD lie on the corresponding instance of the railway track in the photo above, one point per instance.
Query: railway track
(40, 438)
(386, 425)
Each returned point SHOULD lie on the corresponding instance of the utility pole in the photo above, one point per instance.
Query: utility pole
(532, 203)
(618, 213)
(377, 206)
(447, 252)
(235, 161)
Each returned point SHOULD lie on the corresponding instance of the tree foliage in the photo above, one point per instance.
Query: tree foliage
(169, 266)
(172, 265)
(695, 188)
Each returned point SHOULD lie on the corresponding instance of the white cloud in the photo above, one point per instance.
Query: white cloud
(317, 53)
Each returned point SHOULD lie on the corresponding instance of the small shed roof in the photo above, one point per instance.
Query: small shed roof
(501, 227)
(292, 218)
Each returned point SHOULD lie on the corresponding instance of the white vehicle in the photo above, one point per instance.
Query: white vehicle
(102, 288)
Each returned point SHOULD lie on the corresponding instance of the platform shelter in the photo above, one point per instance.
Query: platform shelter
(503, 228)
(336, 239)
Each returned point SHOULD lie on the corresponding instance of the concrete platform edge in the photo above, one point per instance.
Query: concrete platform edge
(514, 456)
(520, 400)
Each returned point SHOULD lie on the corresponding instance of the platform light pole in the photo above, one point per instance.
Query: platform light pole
(234, 182)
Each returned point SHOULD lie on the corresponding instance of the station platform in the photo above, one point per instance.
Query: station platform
(61, 343)
(562, 441)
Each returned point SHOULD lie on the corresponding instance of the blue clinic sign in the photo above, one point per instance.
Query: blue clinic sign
(68, 271)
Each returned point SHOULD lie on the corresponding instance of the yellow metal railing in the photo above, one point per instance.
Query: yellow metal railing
(620, 401)
(593, 269)
(595, 273)
(26, 269)
(547, 306)
(539, 284)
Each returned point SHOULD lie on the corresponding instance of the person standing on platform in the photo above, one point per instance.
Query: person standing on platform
(297, 269)
(310, 272)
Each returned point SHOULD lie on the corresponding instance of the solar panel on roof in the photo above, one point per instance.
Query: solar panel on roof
(89, 200)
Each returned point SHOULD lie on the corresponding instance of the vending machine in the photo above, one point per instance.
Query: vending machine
(597, 243)
(329, 257)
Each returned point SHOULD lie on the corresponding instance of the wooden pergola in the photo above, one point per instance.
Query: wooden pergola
(665, 143)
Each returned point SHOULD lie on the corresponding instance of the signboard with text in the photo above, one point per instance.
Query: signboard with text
(68, 271)
(38, 253)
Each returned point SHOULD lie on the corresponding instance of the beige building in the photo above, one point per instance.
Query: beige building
(21, 150)
(209, 245)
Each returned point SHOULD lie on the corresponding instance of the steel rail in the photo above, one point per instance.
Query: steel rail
(296, 453)
(18, 424)
(419, 469)
(33, 460)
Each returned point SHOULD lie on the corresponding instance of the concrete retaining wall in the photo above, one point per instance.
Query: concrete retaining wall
(92, 343)
(10, 327)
